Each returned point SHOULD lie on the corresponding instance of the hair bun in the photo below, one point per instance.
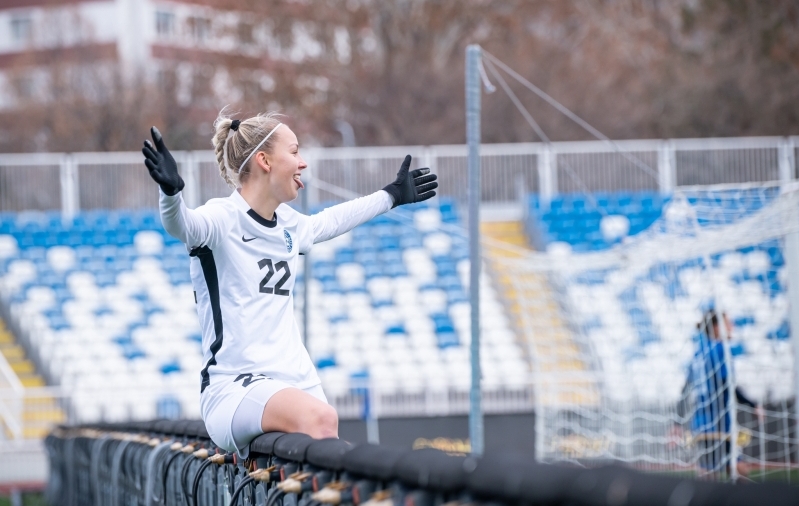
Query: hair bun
(235, 125)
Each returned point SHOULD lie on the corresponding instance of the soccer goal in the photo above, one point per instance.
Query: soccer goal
(679, 340)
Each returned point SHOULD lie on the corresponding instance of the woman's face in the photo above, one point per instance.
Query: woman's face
(285, 164)
(727, 328)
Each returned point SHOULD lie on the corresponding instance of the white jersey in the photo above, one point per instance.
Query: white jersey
(243, 268)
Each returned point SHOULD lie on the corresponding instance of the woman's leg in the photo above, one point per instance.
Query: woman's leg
(292, 410)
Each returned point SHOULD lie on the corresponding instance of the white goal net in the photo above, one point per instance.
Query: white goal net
(681, 336)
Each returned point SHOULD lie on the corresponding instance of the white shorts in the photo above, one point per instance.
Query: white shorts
(232, 408)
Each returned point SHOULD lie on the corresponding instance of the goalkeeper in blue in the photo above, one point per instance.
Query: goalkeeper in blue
(257, 376)
(710, 380)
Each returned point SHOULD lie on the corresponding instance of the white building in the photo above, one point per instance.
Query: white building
(138, 34)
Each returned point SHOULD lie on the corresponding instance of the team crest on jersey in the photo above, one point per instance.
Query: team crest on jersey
(289, 242)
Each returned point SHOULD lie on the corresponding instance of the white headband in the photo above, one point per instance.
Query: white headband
(244, 163)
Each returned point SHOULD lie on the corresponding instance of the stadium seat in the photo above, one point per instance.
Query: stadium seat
(110, 297)
(630, 330)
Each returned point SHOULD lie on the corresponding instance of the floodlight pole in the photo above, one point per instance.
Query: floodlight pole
(473, 56)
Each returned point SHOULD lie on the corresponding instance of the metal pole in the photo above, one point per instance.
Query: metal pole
(70, 197)
(787, 170)
(306, 263)
(546, 175)
(473, 56)
(372, 425)
(666, 175)
(190, 172)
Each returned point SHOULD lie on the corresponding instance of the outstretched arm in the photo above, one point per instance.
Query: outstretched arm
(409, 187)
(192, 227)
(341, 218)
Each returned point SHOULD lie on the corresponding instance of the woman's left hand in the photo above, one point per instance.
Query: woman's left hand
(412, 186)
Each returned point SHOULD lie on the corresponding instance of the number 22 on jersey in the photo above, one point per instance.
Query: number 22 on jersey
(271, 270)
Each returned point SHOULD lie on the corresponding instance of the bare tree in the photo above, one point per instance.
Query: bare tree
(394, 71)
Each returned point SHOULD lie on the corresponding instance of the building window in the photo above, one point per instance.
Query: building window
(162, 79)
(200, 28)
(164, 23)
(21, 28)
(24, 86)
(246, 33)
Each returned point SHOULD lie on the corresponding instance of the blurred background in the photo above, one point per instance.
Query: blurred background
(84, 76)
(599, 257)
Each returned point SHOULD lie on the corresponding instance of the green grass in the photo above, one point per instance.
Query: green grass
(769, 475)
(28, 499)
(782, 475)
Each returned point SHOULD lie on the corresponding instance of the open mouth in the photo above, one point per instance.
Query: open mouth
(298, 181)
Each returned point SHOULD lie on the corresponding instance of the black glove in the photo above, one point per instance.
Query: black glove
(162, 166)
(413, 187)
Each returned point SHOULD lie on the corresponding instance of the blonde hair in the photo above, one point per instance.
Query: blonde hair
(234, 147)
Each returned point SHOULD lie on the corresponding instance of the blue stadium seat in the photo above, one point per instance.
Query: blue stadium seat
(447, 340)
(395, 329)
(364, 256)
(325, 362)
(394, 269)
(170, 367)
(456, 296)
(390, 256)
(324, 271)
(371, 269)
(345, 255)
(782, 332)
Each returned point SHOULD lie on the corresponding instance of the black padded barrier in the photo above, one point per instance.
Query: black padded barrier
(174, 463)
(432, 469)
(371, 462)
(292, 447)
(265, 444)
(328, 453)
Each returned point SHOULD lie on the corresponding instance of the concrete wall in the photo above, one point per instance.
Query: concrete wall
(514, 433)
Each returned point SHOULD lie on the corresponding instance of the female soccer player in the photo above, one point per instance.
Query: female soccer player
(257, 376)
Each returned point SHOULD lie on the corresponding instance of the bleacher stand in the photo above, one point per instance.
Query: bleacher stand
(394, 304)
(106, 303)
(577, 219)
(643, 330)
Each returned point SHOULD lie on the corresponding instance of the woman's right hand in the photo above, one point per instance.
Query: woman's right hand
(162, 166)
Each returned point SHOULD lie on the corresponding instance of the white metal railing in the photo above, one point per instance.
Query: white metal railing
(11, 400)
(82, 181)
(31, 412)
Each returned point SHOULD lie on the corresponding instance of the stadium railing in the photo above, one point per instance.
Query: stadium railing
(175, 463)
(117, 180)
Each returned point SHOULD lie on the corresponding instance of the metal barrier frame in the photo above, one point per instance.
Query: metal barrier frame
(167, 462)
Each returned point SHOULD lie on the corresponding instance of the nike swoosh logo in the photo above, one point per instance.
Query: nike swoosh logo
(248, 240)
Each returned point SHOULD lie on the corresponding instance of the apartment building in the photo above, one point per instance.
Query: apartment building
(136, 36)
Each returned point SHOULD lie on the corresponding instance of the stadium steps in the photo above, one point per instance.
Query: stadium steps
(39, 412)
(548, 344)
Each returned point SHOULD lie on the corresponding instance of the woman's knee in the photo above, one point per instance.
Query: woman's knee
(322, 422)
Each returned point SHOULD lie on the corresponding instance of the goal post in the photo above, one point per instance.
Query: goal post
(668, 331)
